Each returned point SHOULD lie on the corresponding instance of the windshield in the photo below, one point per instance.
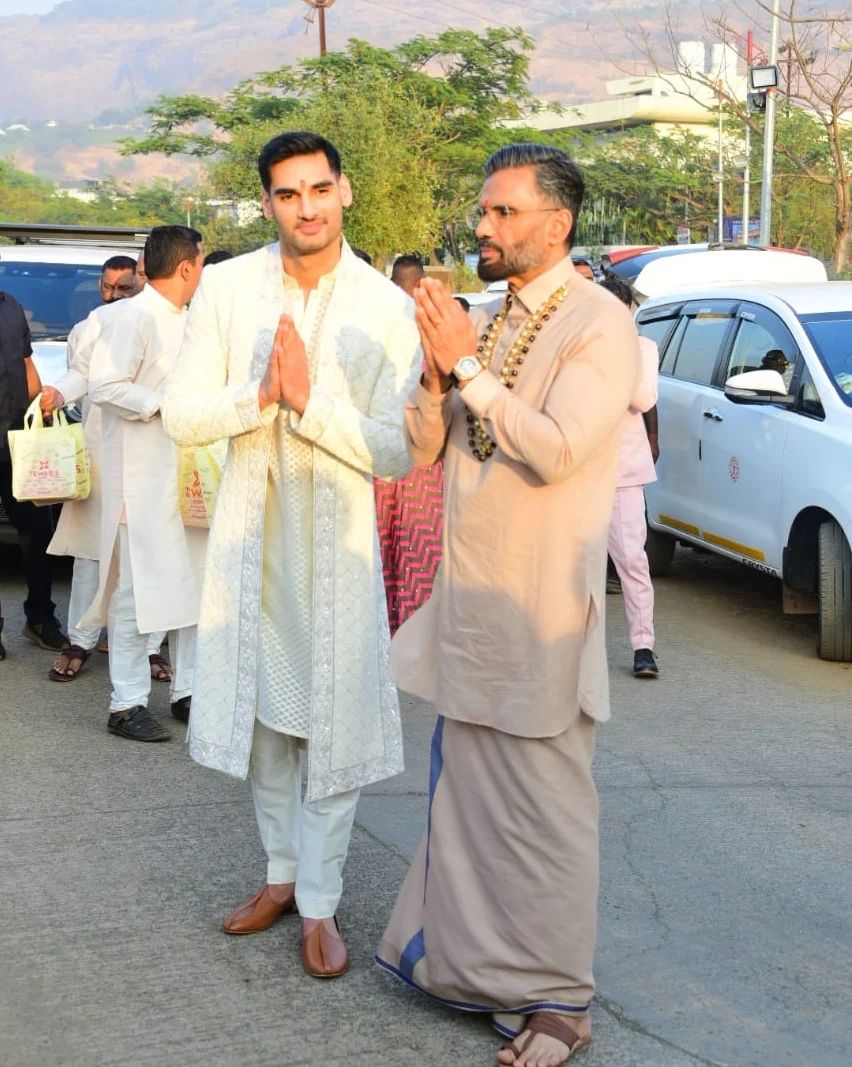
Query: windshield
(831, 336)
(54, 296)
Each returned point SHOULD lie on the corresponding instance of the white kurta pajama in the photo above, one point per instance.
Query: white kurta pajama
(293, 631)
(79, 527)
(150, 577)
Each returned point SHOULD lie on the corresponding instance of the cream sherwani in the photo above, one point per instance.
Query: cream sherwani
(365, 354)
(497, 913)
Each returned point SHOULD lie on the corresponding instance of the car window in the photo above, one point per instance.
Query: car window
(699, 347)
(761, 343)
(658, 330)
(668, 361)
(831, 336)
(809, 402)
(54, 295)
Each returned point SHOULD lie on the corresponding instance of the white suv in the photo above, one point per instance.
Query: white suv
(55, 276)
(755, 412)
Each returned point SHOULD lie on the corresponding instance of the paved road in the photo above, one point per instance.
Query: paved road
(725, 820)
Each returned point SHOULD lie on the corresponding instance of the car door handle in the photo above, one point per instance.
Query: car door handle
(713, 414)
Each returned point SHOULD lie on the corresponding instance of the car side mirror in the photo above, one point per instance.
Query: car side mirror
(757, 387)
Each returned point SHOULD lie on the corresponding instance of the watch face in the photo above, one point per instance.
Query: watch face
(468, 367)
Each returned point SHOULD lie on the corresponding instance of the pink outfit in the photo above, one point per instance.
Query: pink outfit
(627, 530)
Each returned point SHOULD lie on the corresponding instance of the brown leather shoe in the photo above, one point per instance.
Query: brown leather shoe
(258, 912)
(323, 954)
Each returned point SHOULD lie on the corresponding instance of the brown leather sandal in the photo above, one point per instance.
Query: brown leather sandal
(554, 1025)
(161, 670)
(63, 671)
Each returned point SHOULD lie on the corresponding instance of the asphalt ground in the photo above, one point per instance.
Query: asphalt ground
(724, 919)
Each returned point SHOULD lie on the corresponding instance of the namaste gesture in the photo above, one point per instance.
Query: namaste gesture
(446, 332)
(286, 380)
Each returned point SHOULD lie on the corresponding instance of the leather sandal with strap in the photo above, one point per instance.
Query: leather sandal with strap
(553, 1025)
(62, 669)
(161, 670)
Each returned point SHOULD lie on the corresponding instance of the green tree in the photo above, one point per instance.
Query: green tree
(414, 125)
(641, 185)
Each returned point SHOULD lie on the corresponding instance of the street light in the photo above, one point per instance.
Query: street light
(763, 78)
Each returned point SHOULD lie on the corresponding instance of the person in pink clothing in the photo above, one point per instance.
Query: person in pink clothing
(627, 530)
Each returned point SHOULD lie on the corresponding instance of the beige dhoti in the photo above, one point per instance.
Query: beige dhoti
(498, 911)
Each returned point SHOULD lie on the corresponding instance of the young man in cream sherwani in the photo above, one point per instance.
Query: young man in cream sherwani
(302, 355)
(150, 565)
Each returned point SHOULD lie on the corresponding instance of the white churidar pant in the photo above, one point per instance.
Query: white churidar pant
(129, 670)
(627, 534)
(304, 843)
(84, 585)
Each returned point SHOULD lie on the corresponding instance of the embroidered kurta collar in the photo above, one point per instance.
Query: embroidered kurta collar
(326, 281)
(539, 289)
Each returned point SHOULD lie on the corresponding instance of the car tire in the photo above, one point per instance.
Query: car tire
(659, 548)
(835, 593)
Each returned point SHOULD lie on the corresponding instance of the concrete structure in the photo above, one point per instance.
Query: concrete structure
(666, 101)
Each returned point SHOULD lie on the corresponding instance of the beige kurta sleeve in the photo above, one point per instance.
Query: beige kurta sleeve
(371, 441)
(585, 403)
(200, 407)
(427, 423)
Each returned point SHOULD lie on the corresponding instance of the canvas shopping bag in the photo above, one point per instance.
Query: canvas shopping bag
(50, 464)
(199, 475)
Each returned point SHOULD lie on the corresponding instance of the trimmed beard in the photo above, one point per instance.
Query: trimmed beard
(522, 257)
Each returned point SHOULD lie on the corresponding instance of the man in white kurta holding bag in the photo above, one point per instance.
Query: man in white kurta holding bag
(302, 356)
(150, 564)
(79, 527)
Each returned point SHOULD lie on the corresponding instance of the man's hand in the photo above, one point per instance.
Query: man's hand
(286, 380)
(51, 399)
(446, 332)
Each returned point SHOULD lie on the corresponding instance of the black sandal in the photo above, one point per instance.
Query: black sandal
(71, 654)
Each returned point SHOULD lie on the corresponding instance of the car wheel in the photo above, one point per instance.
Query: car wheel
(835, 594)
(659, 548)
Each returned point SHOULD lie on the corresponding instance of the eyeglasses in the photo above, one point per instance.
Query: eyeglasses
(124, 287)
(500, 214)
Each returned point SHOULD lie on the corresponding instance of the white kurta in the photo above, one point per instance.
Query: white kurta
(78, 531)
(130, 365)
(367, 360)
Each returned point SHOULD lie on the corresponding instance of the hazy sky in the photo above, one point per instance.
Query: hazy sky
(26, 7)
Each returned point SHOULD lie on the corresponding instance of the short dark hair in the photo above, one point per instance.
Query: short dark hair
(119, 263)
(619, 288)
(410, 261)
(167, 247)
(557, 175)
(219, 255)
(361, 254)
(294, 143)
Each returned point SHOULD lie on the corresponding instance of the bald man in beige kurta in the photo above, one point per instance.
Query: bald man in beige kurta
(498, 911)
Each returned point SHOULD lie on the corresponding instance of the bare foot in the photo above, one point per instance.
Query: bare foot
(542, 1050)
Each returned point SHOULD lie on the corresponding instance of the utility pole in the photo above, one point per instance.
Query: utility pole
(320, 7)
(747, 143)
(769, 138)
